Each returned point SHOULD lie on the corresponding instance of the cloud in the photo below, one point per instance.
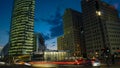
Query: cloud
(56, 24)
(57, 30)
(46, 36)
(116, 5)
(53, 42)
(54, 19)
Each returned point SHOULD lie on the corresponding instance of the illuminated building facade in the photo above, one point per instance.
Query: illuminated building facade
(73, 33)
(101, 27)
(53, 55)
(22, 26)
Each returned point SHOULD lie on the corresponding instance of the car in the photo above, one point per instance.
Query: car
(20, 63)
(79, 61)
(27, 64)
(95, 62)
(88, 62)
(83, 61)
(2, 63)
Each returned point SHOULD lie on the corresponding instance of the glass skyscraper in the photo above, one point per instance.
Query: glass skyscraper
(22, 28)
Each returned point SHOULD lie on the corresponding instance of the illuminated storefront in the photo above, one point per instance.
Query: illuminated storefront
(55, 55)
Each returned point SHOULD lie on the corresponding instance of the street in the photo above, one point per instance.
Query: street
(82, 66)
(60, 66)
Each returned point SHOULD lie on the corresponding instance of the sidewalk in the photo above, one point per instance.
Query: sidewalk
(110, 66)
(118, 63)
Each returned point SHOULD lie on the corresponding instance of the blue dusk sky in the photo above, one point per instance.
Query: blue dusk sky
(48, 18)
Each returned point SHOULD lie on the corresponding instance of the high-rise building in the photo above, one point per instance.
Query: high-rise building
(39, 43)
(72, 39)
(60, 43)
(101, 27)
(39, 47)
(22, 26)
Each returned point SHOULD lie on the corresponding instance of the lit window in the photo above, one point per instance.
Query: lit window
(98, 13)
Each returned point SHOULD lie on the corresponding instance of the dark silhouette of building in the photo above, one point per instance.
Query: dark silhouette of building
(119, 19)
(101, 27)
(73, 39)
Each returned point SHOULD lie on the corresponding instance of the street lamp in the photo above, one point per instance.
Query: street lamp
(96, 54)
(98, 13)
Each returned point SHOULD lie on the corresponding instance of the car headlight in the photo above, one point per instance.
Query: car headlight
(96, 64)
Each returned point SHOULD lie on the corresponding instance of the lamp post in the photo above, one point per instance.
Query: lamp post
(97, 55)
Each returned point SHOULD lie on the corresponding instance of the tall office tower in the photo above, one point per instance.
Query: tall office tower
(72, 40)
(22, 27)
(101, 27)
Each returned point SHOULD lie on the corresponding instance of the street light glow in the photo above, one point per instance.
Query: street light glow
(98, 13)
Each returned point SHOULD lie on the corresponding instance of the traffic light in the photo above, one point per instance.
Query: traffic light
(107, 50)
